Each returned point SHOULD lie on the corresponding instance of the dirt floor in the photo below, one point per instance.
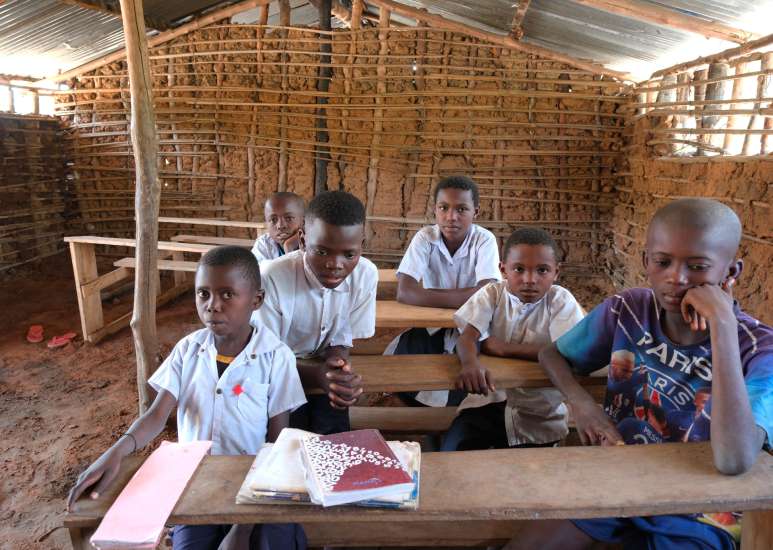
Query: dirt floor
(59, 409)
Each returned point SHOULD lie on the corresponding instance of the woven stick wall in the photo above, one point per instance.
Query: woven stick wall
(33, 195)
(237, 120)
(678, 126)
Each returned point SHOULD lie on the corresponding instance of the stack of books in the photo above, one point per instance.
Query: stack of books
(356, 467)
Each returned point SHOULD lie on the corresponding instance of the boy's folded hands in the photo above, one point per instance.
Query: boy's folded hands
(475, 378)
(340, 383)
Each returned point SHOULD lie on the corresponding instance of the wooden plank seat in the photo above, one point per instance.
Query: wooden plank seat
(212, 221)
(407, 420)
(395, 373)
(164, 265)
(393, 314)
(217, 241)
(486, 492)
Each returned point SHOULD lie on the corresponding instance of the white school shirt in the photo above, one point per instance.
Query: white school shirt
(531, 415)
(265, 248)
(428, 261)
(232, 411)
(309, 317)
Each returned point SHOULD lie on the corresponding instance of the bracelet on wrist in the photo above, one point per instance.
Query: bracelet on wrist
(134, 441)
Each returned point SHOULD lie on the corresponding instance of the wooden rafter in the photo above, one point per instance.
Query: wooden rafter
(498, 39)
(114, 8)
(654, 13)
(337, 9)
(163, 37)
(516, 29)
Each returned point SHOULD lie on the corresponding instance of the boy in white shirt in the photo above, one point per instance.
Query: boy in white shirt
(232, 382)
(444, 265)
(512, 318)
(284, 218)
(320, 298)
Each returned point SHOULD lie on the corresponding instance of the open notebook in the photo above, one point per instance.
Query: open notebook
(277, 474)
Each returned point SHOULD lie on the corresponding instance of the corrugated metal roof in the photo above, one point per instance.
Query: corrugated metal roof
(41, 37)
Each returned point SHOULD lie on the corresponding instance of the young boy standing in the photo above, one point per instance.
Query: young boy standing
(512, 318)
(702, 367)
(284, 218)
(319, 299)
(232, 383)
(444, 265)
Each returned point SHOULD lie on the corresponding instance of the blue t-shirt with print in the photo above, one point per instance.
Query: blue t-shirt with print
(659, 391)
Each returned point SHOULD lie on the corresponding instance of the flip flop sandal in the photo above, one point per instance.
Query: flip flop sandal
(35, 334)
(61, 341)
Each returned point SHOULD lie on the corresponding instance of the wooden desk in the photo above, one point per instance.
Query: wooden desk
(476, 497)
(394, 373)
(392, 314)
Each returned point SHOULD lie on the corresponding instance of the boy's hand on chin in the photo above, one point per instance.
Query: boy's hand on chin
(594, 425)
(292, 243)
(341, 384)
(707, 304)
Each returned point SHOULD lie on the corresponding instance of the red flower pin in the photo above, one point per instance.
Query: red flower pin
(238, 390)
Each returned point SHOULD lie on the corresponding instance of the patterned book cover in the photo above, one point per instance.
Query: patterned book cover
(358, 461)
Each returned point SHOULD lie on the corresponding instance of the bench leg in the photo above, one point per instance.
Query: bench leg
(757, 530)
(84, 267)
(80, 536)
(180, 277)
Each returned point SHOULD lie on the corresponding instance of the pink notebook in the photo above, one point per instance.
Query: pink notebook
(137, 517)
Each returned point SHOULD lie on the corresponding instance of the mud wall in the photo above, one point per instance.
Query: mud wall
(34, 196)
(743, 183)
(237, 104)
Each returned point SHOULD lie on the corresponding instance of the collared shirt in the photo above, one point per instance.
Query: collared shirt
(232, 411)
(428, 261)
(531, 415)
(309, 317)
(266, 248)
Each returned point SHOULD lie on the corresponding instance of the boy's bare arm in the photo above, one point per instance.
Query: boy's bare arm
(499, 348)
(474, 377)
(593, 425)
(736, 439)
(276, 424)
(410, 291)
(143, 431)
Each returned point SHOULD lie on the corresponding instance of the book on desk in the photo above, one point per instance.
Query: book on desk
(279, 474)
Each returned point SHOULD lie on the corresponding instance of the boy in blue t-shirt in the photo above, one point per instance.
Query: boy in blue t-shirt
(681, 354)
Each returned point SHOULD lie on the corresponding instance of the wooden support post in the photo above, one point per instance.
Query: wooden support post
(145, 146)
(516, 29)
(251, 182)
(665, 96)
(764, 84)
(719, 91)
(356, 14)
(348, 74)
(757, 532)
(284, 21)
(324, 74)
(700, 95)
(378, 114)
(684, 94)
(766, 147)
(84, 269)
(734, 121)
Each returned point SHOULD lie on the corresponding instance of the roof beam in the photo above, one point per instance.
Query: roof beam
(666, 17)
(516, 30)
(114, 8)
(505, 41)
(163, 37)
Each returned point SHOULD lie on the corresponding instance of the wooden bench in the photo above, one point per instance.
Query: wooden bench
(395, 373)
(211, 221)
(393, 314)
(406, 420)
(217, 241)
(481, 498)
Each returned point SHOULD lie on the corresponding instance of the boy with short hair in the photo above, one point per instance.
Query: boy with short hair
(284, 213)
(702, 367)
(444, 265)
(515, 317)
(232, 382)
(319, 299)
